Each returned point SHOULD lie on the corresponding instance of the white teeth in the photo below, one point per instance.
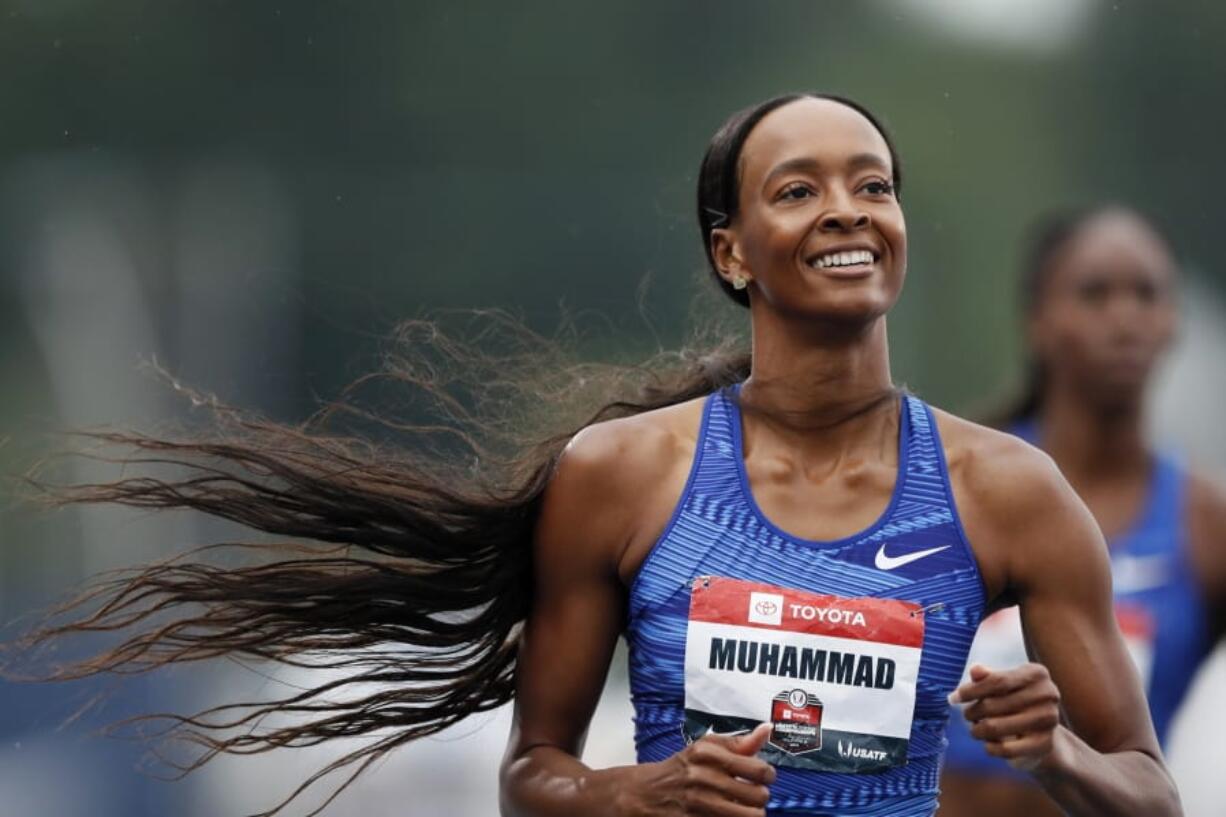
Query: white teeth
(843, 259)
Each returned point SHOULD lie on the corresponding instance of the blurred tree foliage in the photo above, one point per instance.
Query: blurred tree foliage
(543, 153)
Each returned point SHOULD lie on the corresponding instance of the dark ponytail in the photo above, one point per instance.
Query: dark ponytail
(400, 543)
(401, 551)
(1047, 237)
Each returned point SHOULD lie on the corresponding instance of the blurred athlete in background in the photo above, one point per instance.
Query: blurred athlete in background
(1100, 296)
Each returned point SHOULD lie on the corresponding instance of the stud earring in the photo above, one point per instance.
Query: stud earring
(739, 282)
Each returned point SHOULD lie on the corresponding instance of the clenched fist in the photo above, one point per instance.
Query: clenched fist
(715, 776)
(1014, 712)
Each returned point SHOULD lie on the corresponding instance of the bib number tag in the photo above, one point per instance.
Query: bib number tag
(1137, 627)
(1000, 643)
(835, 677)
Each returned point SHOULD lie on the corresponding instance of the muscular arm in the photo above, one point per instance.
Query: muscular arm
(1102, 757)
(1207, 517)
(607, 501)
(569, 638)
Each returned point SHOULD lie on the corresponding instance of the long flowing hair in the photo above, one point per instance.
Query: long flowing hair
(398, 544)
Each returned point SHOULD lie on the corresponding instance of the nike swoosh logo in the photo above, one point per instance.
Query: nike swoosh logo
(884, 562)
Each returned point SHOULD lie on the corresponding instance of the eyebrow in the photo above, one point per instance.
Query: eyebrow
(808, 163)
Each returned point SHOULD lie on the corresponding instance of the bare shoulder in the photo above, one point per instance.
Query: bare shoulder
(1002, 471)
(622, 454)
(618, 480)
(1207, 497)
(1015, 504)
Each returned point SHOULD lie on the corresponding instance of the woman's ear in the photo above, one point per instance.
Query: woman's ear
(727, 255)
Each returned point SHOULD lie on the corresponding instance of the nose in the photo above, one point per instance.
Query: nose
(1123, 309)
(844, 222)
(843, 216)
(1128, 320)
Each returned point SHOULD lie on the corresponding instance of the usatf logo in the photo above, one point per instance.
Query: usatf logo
(765, 608)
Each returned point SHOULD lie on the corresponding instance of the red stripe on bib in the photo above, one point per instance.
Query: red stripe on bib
(721, 600)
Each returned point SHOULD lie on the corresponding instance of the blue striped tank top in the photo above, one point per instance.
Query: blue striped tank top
(1159, 604)
(717, 529)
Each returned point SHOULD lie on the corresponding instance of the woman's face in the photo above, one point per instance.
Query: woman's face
(818, 231)
(1106, 309)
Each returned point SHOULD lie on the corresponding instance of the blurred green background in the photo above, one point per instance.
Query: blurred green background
(254, 193)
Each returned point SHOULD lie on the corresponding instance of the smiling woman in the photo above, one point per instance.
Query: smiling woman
(859, 240)
(797, 552)
(702, 530)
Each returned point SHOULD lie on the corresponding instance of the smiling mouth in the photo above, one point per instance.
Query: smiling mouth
(851, 259)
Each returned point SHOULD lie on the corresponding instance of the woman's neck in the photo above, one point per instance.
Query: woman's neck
(807, 382)
(1092, 443)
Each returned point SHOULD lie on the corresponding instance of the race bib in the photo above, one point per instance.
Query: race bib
(999, 644)
(1137, 627)
(835, 677)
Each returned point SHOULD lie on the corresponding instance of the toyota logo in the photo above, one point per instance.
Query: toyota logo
(766, 608)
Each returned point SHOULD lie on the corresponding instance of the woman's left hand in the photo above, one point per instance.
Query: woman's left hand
(1015, 712)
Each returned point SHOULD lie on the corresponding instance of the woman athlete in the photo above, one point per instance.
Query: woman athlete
(814, 483)
(1100, 291)
(783, 537)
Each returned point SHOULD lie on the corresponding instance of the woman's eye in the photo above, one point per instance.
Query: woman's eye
(798, 191)
(1148, 292)
(879, 188)
(1093, 292)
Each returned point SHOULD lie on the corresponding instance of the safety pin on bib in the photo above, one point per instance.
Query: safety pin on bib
(935, 607)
